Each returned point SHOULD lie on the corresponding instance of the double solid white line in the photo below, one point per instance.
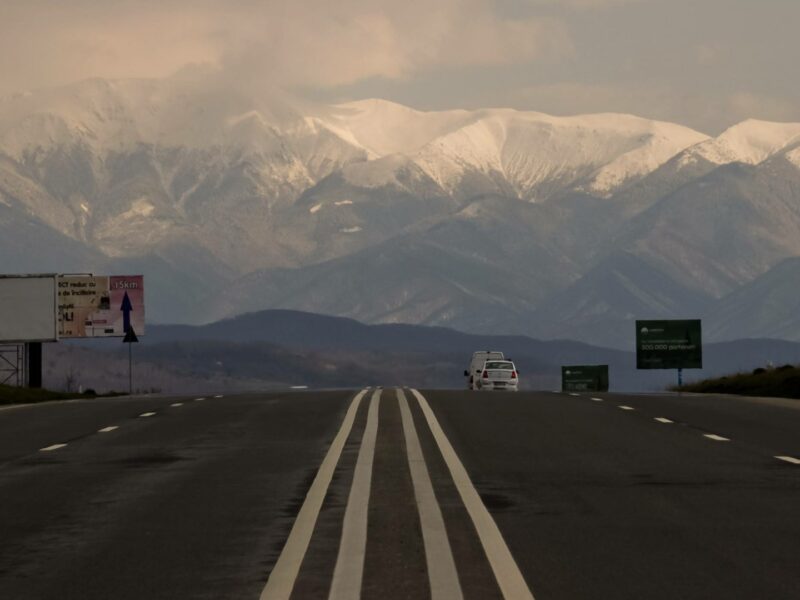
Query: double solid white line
(281, 580)
(509, 578)
(348, 573)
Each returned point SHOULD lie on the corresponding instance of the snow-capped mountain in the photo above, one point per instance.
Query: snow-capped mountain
(493, 219)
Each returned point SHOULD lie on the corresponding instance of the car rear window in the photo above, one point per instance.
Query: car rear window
(499, 365)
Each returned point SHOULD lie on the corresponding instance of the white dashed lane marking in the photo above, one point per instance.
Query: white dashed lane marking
(663, 420)
(574, 394)
(789, 459)
(147, 414)
(51, 448)
(715, 437)
(597, 399)
(199, 399)
(623, 407)
(219, 396)
(107, 429)
(177, 404)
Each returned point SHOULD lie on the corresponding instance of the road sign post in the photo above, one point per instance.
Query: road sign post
(130, 339)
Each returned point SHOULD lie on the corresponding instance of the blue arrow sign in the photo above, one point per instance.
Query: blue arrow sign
(126, 309)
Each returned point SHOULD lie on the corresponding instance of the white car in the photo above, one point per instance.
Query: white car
(476, 366)
(498, 375)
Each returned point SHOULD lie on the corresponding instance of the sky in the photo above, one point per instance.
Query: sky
(704, 63)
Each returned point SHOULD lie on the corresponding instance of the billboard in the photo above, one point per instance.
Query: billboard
(584, 378)
(669, 344)
(28, 308)
(100, 305)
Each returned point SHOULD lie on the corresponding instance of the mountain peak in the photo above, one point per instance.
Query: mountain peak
(751, 142)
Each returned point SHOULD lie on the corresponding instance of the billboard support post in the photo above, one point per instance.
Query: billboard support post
(680, 377)
(34, 356)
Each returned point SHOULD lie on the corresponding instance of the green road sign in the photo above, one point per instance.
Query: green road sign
(584, 378)
(669, 345)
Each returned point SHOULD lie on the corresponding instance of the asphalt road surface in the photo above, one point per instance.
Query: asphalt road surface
(397, 494)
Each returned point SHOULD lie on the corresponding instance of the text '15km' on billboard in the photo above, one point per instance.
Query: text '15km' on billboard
(100, 305)
(28, 308)
(673, 344)
(584, 378)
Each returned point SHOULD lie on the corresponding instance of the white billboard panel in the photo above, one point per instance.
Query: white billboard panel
(28, 308)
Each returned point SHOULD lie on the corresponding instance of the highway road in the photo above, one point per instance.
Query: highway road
(401, 494)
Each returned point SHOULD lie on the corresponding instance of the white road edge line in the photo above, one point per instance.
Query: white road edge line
(789, 459)
(442, 573)
(624, 407)
(663, 420)
(715, 437)
(107, 429)
(349, 571)
(51, 448)
(283, 576)
(597, 399)
(509, 578)
(177, 404)
(147, 414)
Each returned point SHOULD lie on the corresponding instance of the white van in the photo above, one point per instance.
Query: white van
(476, 365)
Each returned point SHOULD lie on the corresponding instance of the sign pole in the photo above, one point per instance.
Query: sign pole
(680, 377)
(130, 369)
(130, 339)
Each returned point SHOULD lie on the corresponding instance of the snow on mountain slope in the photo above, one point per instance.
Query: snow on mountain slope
(750, 142)
(526, 149)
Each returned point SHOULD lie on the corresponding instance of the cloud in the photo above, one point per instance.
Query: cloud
(305, 42)
(709, 112)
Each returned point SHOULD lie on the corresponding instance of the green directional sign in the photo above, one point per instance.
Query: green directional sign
(669, 344)
(584, 378)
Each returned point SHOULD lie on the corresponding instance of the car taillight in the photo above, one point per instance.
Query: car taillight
(486, 374)
(513, 374)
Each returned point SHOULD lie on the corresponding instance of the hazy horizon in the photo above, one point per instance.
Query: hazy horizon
(706, 65)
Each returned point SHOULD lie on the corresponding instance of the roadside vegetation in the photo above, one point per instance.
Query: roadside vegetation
(22, 395)
(782, 382)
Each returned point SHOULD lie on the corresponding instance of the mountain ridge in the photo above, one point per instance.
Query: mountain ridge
(478, 219)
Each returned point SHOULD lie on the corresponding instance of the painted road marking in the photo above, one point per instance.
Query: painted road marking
(177, 404)
(199, 399)
(107, 429)
(715, 437)
(349, 571)
(505, 568)
(789, 459)
(51, 448)
(597, 399)
(281, 579)
(219, 396)
(623, 407)
(147, 414)
(574, 394)
(663, 420)
(442, 573)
